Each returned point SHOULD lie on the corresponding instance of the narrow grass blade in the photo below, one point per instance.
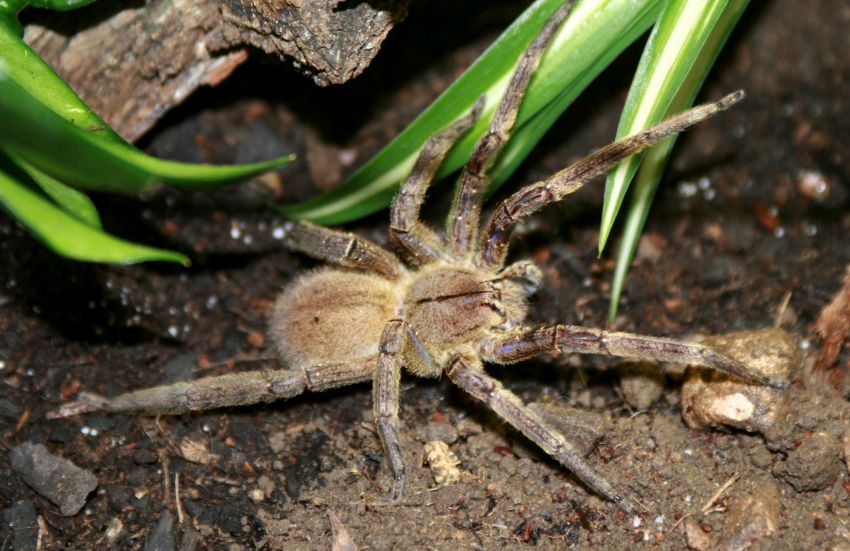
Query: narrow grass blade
(594, 33)
(66, 234)
(652, 168)
(674, 45)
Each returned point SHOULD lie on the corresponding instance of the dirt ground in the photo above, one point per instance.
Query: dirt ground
(749, 230)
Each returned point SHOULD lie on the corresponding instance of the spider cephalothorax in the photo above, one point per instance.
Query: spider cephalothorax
(453, 306)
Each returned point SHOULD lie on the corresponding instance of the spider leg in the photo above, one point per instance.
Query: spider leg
(528, 200)
(524, 343)
(341, 248)
(385, 395)
(399, 347)
(419, 242)
(233, 389)
(464, 216)
(468, 375)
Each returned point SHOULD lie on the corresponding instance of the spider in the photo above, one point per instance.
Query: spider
(452, 306)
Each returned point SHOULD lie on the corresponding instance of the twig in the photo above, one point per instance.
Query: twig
(719, 492)
(177, 498)
(42, 532)
(681, 520)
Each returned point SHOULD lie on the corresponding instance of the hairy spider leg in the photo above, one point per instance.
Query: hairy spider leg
(524, 343)
(233, 389)
(399, 347)
(468, 374)
(418, 243)
(528, 200)
(462, 224)
(342, 249)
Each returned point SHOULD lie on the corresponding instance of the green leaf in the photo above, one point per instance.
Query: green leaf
(60, 149)
(75, 203)
(24, 66)
(67, 235)
(676, 41)
(595, 32)
(59, 4)
(652, 168)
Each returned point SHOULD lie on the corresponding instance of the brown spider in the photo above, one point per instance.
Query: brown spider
(455, 308)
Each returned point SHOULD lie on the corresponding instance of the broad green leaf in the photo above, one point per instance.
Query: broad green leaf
(76, 203)
(67, 235)
(58, 4)
(595, 32)
(9, 24)
(22, 65)
(675, 42)
(73, 156)
(11, 7)
(649, 174)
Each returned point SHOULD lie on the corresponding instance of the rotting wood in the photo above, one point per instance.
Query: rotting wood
(133, 62)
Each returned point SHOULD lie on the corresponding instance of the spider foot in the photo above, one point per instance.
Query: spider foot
(397, 493)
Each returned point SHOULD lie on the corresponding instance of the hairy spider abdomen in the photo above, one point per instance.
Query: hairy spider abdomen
(331, 316)
(447, 305)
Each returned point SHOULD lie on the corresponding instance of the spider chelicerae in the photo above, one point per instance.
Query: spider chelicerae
(452, 307)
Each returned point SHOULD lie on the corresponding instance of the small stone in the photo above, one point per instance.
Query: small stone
(266, 484)
(161, 537)
(845, 444)
(642, 384)
(196, 451)
(114, 528)
(750, 518)
(760, 456)
(696, 538)
(583, 428)
(57, 479)
(443, 432)
(257, 495)
(813, 465)
(710, 398)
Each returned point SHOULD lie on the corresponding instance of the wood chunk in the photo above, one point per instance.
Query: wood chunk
(133, 65)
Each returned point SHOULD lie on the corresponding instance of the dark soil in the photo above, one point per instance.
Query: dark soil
(737, 229)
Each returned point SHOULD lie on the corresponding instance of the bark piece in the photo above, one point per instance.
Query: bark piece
(132, 65)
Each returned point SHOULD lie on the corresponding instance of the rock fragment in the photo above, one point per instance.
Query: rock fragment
(814, 465)
(710, 399)
(696, 538)
(642, 384)
(161, 537)
(57, 479)
(750, 518)
(341, 540)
